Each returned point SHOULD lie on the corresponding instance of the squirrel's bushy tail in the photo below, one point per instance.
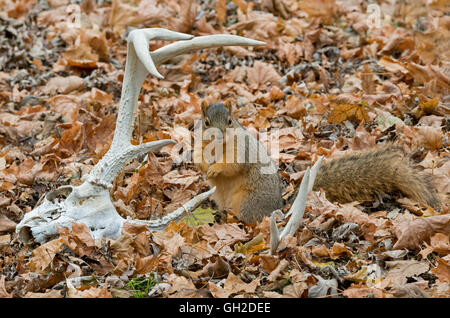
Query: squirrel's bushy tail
(364, 175)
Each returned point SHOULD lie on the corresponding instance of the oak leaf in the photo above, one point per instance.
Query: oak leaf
(411, 234)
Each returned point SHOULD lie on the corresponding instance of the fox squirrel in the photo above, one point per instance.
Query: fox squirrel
(251, 193)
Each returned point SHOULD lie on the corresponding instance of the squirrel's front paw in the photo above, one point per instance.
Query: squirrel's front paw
(213, 171)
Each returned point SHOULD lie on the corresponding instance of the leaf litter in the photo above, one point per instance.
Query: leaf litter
(329, 81)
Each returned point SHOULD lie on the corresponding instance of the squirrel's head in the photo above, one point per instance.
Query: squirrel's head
(217, 116)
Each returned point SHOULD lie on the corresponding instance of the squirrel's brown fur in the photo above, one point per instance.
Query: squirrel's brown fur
(363, 175)
(243, 188)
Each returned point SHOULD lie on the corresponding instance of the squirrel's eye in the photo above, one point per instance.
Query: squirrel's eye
(206, 122)
(229, 121)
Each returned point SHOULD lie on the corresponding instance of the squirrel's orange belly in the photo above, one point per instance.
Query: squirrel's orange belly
(228, 192)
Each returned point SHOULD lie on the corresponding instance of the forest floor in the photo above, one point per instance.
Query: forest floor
(336, 76)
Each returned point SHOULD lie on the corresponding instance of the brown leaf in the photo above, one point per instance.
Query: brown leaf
(338, 250)
(188, 12)
(81, 56)
(183, 177)
(294, 107)
(92, 292)
(63, 85)
(218, 269)
(392, 65)
(222, 234)
(221, 10)
(123, 15)
(217, 291)
(3, 292)
(348, 213)
(362, 291)
(320, 251)
(278, 270)
(352, 112)
(442, 271)
(146, 264)
(399, 271)
(411, 234)
(43, 255)
(234, 285)
(430, 137)
(50, 294)
(276, 93)
(440, 243)
(169, 241)
(261, 74)
(268, 262)
(323, 9)
(6, 225)
(181, 287)
(367, 81)
(79, 240)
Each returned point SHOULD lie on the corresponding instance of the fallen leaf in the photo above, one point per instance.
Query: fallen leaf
(6, 225)
(221, 10)
(442, 271)
(363, 291)
(348, 213)
(92, 292)
(234, 285)
(343, 112)
(43, 255)
(411, 234)
(398, 272)
(261, 74)
(278, 270)
(63, 85)
(3, 292)
(221, 235)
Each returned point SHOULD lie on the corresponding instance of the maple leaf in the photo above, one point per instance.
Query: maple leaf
(352, 112)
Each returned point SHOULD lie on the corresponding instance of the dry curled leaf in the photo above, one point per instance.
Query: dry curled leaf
(261, 74)
(411, 234)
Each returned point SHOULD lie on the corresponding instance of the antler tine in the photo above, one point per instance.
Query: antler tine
(313, 174)
(202, 42)
(140, 39)
(298, 207)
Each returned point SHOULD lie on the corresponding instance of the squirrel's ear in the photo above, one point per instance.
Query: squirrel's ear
(229, 105)
(204, 108)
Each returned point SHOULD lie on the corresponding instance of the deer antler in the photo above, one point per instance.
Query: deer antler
(297, 209)
(90, 202)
